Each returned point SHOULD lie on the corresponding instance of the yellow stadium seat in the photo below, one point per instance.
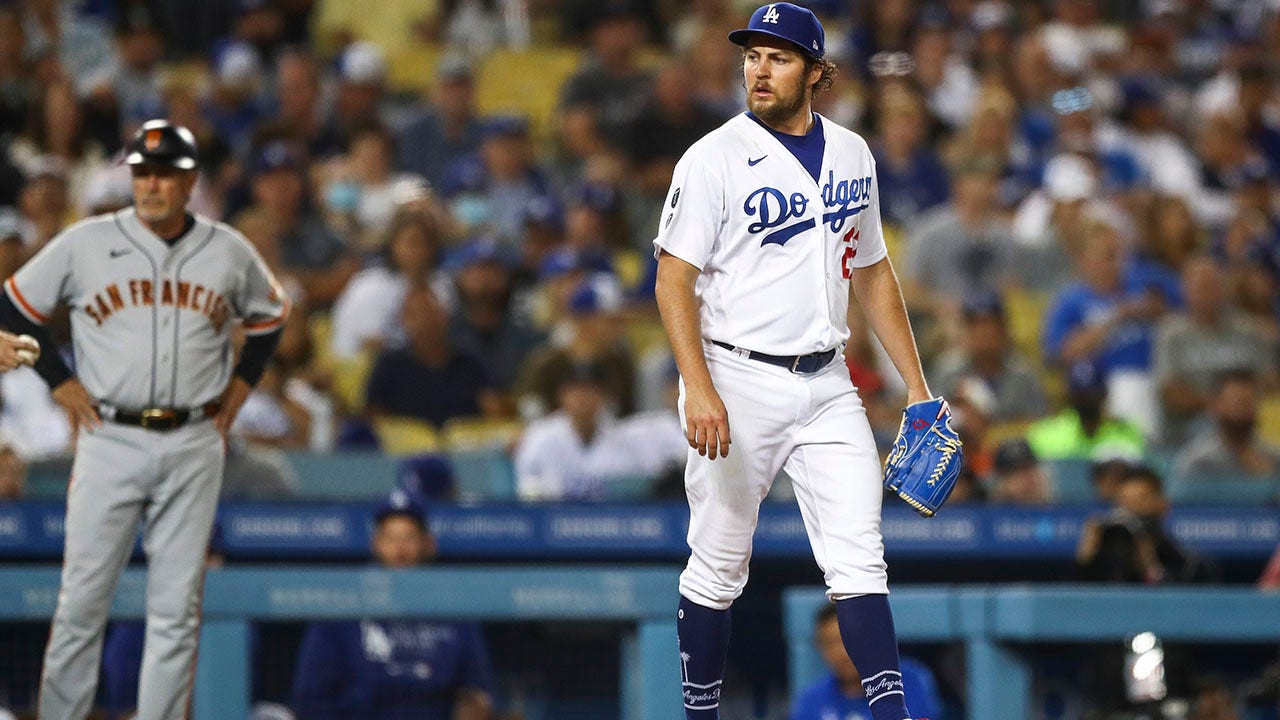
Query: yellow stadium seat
(349, 379)
(525, 82)
(645, 334)
(320, 328)
(1269, 420)
(1025, 310)
(1000, 432)
(412, 68)
(895, 243)
(479, 451)
(406, 436)
(629, 266)
(388, 23)
(476, 432)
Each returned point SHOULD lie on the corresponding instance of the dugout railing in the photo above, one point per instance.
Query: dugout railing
(645, 597)
(998, 624)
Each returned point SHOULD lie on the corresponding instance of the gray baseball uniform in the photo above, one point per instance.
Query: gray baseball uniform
(151, 327)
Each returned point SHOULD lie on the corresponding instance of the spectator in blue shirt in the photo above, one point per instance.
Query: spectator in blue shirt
(911, 176)
(489, 189)
(394, 669)
(429, 378)
(838, 695)
(447, 131)
(1108, 318)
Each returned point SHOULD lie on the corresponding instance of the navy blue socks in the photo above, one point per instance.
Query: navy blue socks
(866, 626)
(704, 642)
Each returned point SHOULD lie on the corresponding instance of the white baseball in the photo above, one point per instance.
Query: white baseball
(31, 352)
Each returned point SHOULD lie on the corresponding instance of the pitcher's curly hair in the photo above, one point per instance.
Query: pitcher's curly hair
(829, 71)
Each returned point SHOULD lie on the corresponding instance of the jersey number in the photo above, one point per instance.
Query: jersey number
(850, 252)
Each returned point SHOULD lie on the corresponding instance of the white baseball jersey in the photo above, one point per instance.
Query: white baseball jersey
(151, 323)
(745, 211)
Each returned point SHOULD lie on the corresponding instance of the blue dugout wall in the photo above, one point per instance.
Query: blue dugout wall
(997, 624)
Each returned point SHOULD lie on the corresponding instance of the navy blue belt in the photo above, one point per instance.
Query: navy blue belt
(811, 363)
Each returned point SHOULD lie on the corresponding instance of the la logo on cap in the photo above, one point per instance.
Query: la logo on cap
(770, 15)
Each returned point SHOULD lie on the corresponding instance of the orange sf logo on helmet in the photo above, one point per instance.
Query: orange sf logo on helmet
(151, 140)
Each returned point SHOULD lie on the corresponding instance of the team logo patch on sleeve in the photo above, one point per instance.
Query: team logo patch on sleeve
(675, 197)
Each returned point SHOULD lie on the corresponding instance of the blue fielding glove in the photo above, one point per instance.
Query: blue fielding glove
(926, 457)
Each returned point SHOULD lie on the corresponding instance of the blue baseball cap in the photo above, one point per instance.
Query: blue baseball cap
(1086, 378)
(427, 476)
(277, 155)
(404, 503)
(789, 22)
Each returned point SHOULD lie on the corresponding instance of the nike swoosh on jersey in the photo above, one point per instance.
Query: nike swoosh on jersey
(119, 253)
(757, 161)
(780, 237)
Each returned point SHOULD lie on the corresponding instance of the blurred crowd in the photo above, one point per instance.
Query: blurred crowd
(1081, 196)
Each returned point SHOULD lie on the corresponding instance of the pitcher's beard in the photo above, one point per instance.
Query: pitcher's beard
(778, 111)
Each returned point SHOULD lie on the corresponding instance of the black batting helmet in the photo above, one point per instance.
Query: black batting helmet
(160, 141)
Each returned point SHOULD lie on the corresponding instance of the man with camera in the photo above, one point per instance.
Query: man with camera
(1130, 545)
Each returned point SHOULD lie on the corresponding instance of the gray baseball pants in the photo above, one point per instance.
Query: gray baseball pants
(168, 480)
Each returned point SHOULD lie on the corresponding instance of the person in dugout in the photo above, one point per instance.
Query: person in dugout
(394, 669)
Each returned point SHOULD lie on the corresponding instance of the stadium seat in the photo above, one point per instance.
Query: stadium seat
(1269, 420)
(412, 68)
(525, 82)
(320, 328)
(466, 433)
(405, 435)
(645, 334)
(629, 266)
(350, 375)
(999, 432)
(1223, 490)
(349, 380)
(479, 450)
(344, 476)
(1025, 310)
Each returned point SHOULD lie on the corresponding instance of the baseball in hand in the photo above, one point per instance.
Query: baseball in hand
(29, 351)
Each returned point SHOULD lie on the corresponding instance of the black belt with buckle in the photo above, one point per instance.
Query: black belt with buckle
(158, 418)
(811, 363)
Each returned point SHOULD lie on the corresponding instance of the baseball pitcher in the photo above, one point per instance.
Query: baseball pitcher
(152, 291)
(770, 221)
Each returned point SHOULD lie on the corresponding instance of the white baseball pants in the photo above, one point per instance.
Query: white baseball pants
(815, 428)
